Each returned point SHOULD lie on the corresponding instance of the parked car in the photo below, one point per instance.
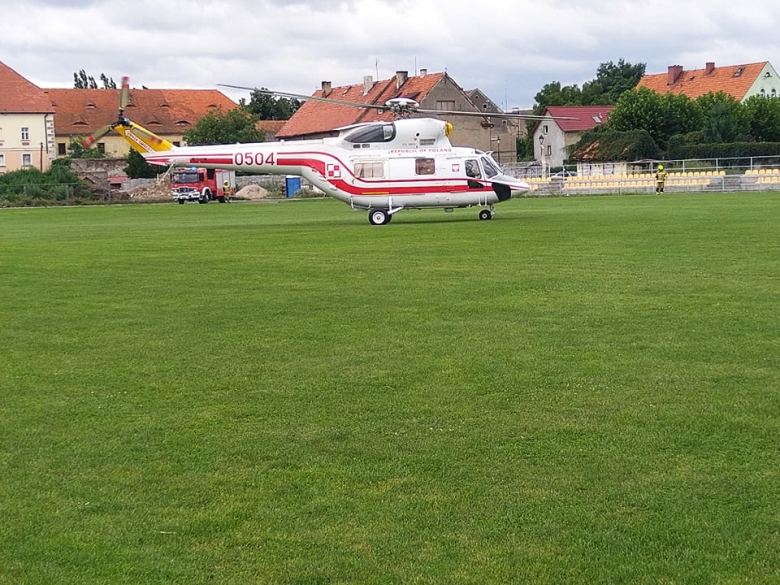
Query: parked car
(564, 174)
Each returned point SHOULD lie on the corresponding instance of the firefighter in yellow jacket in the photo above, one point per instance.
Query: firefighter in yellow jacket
(660, 179)
(226, 190)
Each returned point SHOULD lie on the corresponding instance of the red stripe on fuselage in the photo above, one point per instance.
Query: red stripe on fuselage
(371, 188)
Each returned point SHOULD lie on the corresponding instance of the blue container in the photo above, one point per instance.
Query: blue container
(292, 185)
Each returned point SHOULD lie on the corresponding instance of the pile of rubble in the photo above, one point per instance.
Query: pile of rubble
(152, 193)
(251, 193)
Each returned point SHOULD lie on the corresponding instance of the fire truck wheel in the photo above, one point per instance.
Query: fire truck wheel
(181, 201)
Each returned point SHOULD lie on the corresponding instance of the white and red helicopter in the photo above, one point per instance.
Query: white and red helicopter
(380, 167)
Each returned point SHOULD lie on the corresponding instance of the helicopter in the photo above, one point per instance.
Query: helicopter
(381, 167)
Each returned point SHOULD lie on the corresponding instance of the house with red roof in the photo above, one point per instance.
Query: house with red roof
(563, 126)
(169, 113)
(26, 123)
(738, 81)
(433, 91)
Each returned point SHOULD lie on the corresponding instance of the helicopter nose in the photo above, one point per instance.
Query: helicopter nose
(506, 190)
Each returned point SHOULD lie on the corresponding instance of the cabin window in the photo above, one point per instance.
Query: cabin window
(472, 169)
(425, 166)
(369, 170)
(372, 133)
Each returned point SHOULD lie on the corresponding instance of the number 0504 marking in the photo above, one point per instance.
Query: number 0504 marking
(249, 159)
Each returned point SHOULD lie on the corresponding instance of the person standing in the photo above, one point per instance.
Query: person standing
(660, 179)
(226, 190)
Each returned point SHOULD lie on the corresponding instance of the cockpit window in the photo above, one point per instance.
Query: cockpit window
(372, 133)
(491, 170)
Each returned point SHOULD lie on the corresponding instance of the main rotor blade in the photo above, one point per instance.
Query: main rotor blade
(90, 140)
(489, 114)
(124, 95)
(312, 98)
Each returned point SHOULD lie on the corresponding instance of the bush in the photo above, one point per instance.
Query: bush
(59, 183)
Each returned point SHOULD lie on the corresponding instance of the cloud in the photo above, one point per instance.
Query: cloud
(509, 50)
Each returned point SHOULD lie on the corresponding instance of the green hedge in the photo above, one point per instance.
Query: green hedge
(722, 150)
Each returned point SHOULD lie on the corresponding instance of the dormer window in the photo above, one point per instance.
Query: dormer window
(738, 72)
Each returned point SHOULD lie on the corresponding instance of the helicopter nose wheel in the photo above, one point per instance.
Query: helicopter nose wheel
(379, 217)
(485, 214)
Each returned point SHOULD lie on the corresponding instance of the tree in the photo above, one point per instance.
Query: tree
(611, 81)
(725, 119)
(764, 118)
(218, 127)
(83, 81)
(662, 116)
(138, 168)
(552, 94)
(269, 107)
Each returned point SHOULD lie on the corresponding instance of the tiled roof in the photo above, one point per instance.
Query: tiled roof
(19, 96)
(582, 117)
(271, 127)
(315, 116)
(163, 111)
(697, 82)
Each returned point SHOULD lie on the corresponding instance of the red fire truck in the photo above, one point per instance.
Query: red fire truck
(201, 185)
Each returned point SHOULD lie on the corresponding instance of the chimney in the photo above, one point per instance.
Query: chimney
(400, 78)
(368, 83)
(710, 67)
(674, 73)
(423, 72)
(326, 89)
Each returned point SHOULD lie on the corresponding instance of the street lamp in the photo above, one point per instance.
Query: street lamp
(541, 152)
(498, 147)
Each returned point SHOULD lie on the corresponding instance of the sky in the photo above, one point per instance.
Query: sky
(507, 48)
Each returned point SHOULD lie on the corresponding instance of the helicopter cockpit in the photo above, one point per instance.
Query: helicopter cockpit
(370, 133)
(404, 133)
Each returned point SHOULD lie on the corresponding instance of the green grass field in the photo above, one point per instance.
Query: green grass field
(582, 390)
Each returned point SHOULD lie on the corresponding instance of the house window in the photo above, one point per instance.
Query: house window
(545, 129)
(2, 160)
(62, 149)
(763, 92)
(25, 134)
(101, 148)
(424, 166)
(773, 93)
(445, 106)
(549, 150)
(26, 160)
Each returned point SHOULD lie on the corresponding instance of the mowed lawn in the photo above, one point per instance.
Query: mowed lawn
(582, 390)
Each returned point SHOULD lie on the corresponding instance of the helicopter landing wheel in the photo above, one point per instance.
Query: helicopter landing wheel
(485, 214)
(378, 217)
